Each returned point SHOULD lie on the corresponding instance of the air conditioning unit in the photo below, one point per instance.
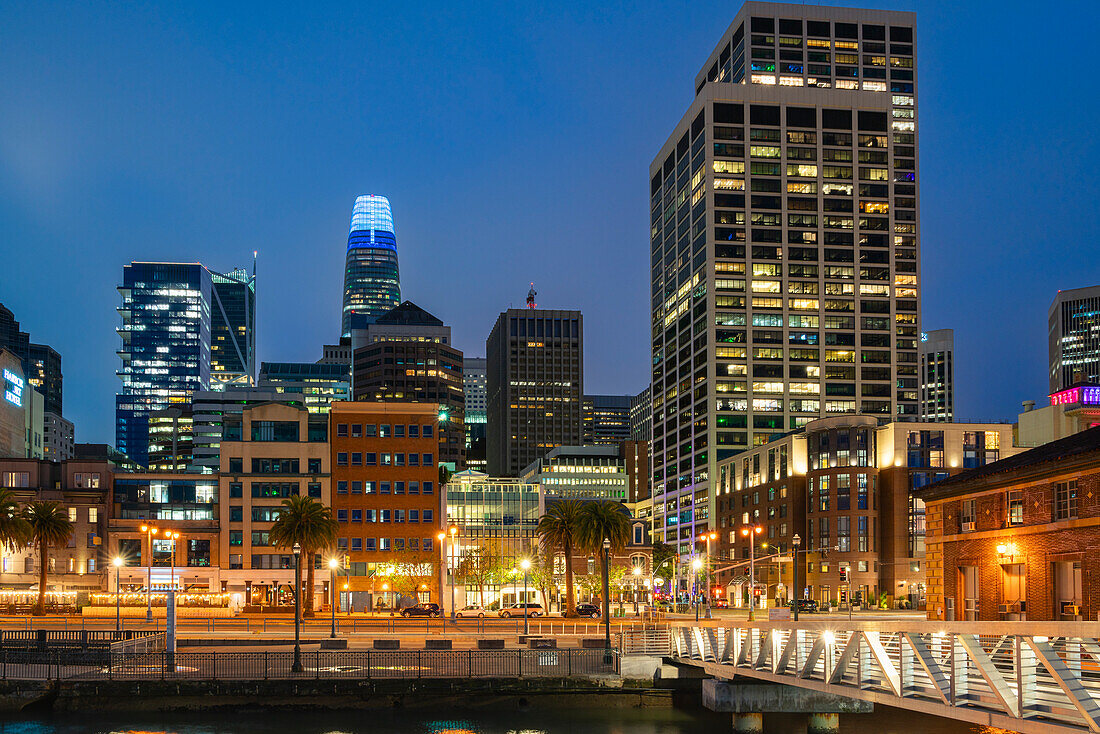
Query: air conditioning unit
(1004, 608)
(969, 527)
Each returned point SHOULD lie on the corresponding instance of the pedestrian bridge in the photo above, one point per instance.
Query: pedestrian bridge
(1030, 677)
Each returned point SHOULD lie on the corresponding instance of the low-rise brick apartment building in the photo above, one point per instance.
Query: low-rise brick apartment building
(846, 486)
(1018, 538)
(386, 499)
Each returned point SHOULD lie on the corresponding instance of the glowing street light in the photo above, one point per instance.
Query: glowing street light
(149, 533)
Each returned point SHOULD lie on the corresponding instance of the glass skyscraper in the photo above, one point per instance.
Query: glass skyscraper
(371, 282)
(233, 329)
(165, 348)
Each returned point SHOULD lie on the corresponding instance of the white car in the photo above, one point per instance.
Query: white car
(471, 610)
(530, 609)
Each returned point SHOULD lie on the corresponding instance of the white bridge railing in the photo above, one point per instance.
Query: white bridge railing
(1026, 676)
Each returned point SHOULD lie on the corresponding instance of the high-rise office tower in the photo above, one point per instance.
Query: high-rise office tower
(406, 356)
(233, 329)
(606, 419)
(641, 416)
(316, 384)
(937, 376)
(41, 362)
(165, 346)
(784, 243)
(534, 384)
(1074, 329)
(371, 282)
(473, 389)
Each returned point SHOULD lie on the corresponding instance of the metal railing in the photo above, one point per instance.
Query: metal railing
(354, 665)
(1024, 676)
(155, 642)
(646, 642)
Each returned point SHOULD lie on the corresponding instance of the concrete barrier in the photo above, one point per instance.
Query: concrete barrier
(490, 644)
(437, 644)
(542, 643)
(331, 644)
(387, 644)
(593, 643)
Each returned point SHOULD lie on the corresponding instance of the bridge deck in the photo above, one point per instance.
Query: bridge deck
(1035, 678)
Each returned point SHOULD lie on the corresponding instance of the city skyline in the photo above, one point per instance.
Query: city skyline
(506, 233)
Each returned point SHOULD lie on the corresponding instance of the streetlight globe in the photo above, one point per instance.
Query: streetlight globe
(525, 564)
(745, 532)
(440, 537)
(637, 571)
(154, 531)
(117, 561)
(696, 564)
(454, 529)
(144, 528)
(333, 563)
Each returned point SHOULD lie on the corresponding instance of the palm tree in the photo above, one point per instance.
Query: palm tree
(310, 524)
(48, 525)
(14, 531)
(557, 530)
(603, 520)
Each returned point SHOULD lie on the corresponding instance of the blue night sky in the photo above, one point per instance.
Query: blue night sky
(514, 142)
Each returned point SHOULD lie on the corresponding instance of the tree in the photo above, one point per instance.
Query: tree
(599, 521)
(661, 553)
(305, 521)
(557, 530)
(48, 525)
(408, 570)
(479, 566)
(14, 531)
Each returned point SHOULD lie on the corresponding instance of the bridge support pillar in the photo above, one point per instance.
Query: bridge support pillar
(823, 724)
(748, 723)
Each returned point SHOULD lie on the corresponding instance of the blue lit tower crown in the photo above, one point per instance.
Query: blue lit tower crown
(371, 282)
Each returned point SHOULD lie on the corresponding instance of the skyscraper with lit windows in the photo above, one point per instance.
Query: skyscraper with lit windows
(372, 285)
(784, 245)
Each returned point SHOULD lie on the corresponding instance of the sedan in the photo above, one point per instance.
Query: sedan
(518, 610)
(471, 610)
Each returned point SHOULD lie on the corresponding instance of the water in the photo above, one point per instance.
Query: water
(529, 720)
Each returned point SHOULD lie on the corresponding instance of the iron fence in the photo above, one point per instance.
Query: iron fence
(325, 664)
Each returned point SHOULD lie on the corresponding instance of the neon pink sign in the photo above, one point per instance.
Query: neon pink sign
(1089, 395)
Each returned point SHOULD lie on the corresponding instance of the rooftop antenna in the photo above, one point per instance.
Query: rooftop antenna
(531, 297)
(255, 254)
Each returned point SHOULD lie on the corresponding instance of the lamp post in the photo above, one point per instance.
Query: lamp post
(606, 602)
(118, 593)
(442, 538)
(297, 666)
(696, 564)
(796, 541)
(751, 533)
(172, 566)
(333, 564)
(149, 531)
(637, 577)
(708, 537)
(454, 559)
(526, 566)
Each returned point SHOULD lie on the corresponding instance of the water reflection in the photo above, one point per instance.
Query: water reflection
(559, 718)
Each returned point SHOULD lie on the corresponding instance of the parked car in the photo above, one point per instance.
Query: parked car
(721, 604)
(804, 605)
(588, 610)
(421, 610)
(534, 609)
(471, 610)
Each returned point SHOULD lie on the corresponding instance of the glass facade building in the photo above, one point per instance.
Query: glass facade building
(316, 385)
(233, 329)
(371, 282)
(1074, 333)
(165, 348)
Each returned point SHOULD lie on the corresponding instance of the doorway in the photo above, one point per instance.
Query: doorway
(968, 580)
(1067, 591)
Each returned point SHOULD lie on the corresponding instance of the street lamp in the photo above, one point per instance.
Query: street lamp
(149, 533)
(168, 534)
(696, 564)
(442, 538)
(454, 559)
(751, 534)
(118, 592)
(708, 537)
(796, 541)
(606, 602)
(297, 667)
(637, 573)
(526, 566)
(333, 564)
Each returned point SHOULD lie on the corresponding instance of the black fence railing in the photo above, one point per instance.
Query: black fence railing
(357, 665)
(43, 639)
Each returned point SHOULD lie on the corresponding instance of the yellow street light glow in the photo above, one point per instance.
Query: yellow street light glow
(637, 571)
(117, 561)
(525, 564)
(696, 564)
(333, 563)
(828, 637)
(441, 536)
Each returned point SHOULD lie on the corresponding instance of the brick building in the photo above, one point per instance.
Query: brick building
(386, 499)
(1018, 538)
